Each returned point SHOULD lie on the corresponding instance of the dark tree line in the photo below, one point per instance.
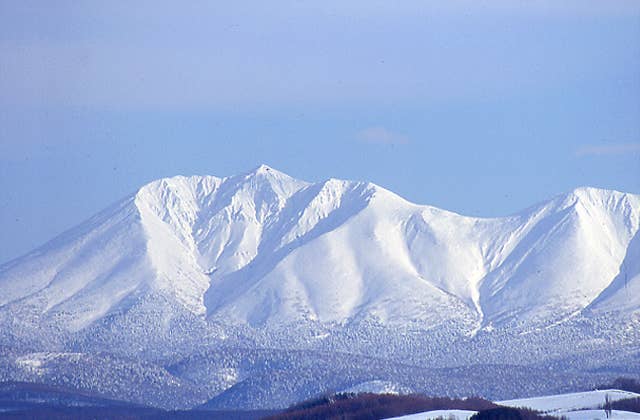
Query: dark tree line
(623, 384)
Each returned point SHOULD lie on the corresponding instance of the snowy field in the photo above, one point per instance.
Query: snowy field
(447, 414)
(570, 402)
(574, 406)
(599, 414)
(571, 415)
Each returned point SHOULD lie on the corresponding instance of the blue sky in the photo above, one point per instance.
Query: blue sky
(482, 108)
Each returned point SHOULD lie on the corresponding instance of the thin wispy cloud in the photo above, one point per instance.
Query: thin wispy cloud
(608, 149)
(381, 135)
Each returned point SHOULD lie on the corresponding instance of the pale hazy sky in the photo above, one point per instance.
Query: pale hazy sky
(480, 107)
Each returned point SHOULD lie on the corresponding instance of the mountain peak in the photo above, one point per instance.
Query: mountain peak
(267, 171)
(263, 169)
(586, 192)
(599, 197)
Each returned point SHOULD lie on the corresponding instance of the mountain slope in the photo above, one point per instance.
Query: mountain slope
(570, 251)
(264, 249)
(84, 273)
(262, 289)
(623, 293)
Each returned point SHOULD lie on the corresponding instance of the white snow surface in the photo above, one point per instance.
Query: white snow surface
(435, 414)
(263, 248)
(600, 415)
(562, 403)
(574, 406)
(570, 415)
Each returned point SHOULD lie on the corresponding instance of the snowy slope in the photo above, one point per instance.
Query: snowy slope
(570, 402)
(570, 415)
(438, 414)
(569, 252)
(84, 273)
(265, 249)
(577, 405)
(600, 414)
(623, 293)
(324, 286)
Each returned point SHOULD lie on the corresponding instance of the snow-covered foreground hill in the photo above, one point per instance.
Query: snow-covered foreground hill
(569, 415)
(262, 289)
(573, 406)
(438, 414)
(570, 402)
(578, 405)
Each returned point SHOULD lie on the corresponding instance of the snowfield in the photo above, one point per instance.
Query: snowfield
(599, 414)
(570, 415)
(577, 405)
(234, 291)
(570, 402)
(436, 414)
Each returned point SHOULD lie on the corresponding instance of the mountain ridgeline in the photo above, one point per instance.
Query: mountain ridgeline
(202, 287)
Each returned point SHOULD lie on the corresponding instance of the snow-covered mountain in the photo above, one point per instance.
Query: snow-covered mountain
(265, 252)
(262, 248)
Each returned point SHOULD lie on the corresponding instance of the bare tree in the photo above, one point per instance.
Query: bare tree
(607, 406)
